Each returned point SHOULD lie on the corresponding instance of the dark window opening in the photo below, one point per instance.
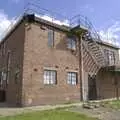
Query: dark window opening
(0, 78)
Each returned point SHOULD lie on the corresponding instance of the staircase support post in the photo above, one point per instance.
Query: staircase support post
(81, 66)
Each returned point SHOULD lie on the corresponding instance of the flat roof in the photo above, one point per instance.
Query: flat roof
(49, 23)
(108, 44)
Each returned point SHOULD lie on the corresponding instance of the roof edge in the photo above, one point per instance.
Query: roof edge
(12, 29)
(33, 18)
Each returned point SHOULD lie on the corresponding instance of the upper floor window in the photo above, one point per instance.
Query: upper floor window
(72, 43)
(2, 49)
(50, 77)
(110, 55)
(72, 78)
(50, 38)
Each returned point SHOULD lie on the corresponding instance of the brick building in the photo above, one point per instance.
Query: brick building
(42, 62)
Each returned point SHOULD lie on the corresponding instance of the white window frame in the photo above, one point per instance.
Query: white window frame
(50, 77)
(4, 76)
(110, 57)
(72, 78)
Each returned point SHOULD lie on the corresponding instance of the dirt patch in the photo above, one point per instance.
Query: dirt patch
(98, 111)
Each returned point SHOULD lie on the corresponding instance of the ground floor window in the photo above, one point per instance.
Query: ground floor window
(4, 76)
(72, 78)
(50, 77)
(0, 77)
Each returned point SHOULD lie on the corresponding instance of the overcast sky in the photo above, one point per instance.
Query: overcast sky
(104, 14)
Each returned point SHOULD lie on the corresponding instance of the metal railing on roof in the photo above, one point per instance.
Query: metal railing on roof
(54, 17)
(84, 22)
(33, 7)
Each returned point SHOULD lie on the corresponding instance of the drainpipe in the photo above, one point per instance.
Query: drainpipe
(8, 66)
(80, 54)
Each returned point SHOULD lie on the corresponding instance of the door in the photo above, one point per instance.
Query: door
(2, 96)
(92, 91)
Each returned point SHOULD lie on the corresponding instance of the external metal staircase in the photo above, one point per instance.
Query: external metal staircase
(84, 29)
(93, 55)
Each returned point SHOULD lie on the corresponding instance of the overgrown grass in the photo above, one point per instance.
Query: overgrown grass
(57, 114)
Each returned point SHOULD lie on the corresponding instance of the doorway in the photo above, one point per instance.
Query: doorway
(92, 90)
(2, 96)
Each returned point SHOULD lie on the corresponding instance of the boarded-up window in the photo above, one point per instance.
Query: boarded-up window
(50, 38)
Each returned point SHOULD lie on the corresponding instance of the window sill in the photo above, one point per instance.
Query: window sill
(50, 85)
(72, 50)
(72, 85)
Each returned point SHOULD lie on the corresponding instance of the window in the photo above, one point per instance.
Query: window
(3, 47)
(50, 77)
(72, 78)
(50, 38)
(72, 43)
(110, 57)
(0, 50)
(17, 74)
(0, 78)
(4, 76)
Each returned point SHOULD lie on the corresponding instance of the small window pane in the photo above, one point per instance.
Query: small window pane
(110, 57)
(72, 78)
(49, 77)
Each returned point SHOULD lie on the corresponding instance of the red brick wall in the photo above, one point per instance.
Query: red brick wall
(34, 55)
(15, 44)
(39, 56)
